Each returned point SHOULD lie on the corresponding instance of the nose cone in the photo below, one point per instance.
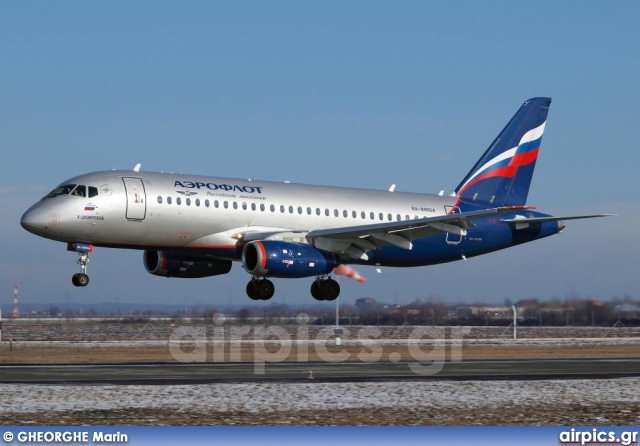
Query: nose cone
(34, 220)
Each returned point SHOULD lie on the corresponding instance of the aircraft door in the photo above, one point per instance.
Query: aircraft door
(136, 198)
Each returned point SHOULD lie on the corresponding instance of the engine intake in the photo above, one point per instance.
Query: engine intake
(173, 264)
(271, 258)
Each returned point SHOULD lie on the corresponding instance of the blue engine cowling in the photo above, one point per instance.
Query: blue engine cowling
(271, 258)
(174, 264)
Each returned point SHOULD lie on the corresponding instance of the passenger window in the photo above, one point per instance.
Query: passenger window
(326, 212)
(168, 200)
(226, 204)
(197, 202)
(308, 211)
(381, 216)
(188, 201)
(353, 214)
(253, 206)
(93, 191)
(159, 200)
(372, 216)
(244, 206)
(272, 208)
(317, 211)
(282, 208)
(336, 212)
(363, 215)
(389, 217)
(300, 210)
(178, 201)
(206, 203)
(235, 205)
(398, 217)
(291, 209)
(345, 214)
(262, 207)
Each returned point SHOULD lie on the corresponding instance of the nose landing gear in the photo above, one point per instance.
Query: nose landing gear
(83, 250)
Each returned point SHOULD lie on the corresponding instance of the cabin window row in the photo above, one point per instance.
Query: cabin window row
(284, 209)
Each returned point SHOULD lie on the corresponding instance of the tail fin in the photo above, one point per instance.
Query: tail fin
(503, 175)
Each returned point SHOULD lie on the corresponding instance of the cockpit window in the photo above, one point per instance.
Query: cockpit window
(80, 191)
(93, 191)
(61, 190)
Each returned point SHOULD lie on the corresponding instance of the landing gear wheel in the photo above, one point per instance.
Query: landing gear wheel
(315, 290)
(82, 279)
(260, 289)
(251, 290)
(329, 289)
(264, 289)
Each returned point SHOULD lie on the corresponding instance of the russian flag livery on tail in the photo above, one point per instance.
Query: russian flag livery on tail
(193, 226)
(502, 176)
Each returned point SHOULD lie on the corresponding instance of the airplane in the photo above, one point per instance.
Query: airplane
(191, 226)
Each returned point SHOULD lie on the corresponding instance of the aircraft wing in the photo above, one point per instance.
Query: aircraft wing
(354, 241)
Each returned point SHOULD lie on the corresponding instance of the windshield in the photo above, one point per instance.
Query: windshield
(61, 190)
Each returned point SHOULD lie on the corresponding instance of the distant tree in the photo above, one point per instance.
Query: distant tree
(243, 315)
(209, 312)
(53, 311)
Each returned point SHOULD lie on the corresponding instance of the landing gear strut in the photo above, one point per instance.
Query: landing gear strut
(325, 289)
(260, 289)
(83, 250)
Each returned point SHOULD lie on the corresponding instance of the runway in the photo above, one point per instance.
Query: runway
(203, 373)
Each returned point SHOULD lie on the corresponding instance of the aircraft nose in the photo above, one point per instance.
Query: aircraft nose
(33, 220)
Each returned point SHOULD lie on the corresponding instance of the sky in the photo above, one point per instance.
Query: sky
(357, 94)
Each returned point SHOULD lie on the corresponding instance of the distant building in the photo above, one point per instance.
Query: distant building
(628, 310)
(366, 303)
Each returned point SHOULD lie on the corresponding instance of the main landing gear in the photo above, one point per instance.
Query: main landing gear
(260, 289)
(325, 289)
(81, 279)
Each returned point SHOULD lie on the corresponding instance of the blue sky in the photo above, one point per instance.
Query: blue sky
(359, 93)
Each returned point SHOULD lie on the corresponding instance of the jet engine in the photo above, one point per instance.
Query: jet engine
(271, 258)
(174, 264)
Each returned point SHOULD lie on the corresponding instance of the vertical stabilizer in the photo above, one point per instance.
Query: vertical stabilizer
(503, 174)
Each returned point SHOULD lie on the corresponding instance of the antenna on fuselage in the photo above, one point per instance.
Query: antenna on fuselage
(392, 188)
(137, 168)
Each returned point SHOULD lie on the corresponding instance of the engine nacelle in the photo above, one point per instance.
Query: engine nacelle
(271, 258)
(173, 264)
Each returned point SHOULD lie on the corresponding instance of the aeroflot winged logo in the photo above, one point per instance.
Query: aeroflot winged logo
(187, 193)
(224, 187)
